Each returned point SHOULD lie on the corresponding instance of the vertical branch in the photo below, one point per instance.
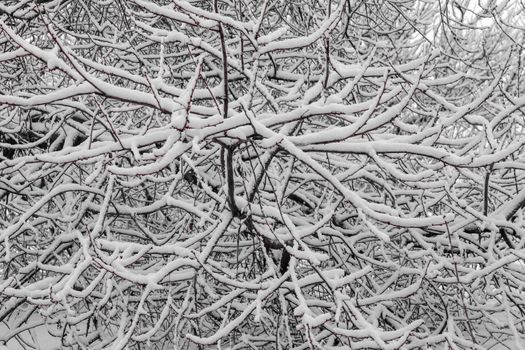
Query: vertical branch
(229, 151)
(241, 17)
(486, 193)
(230, 181)
(327, 50)
(461, 288)
(224, 63)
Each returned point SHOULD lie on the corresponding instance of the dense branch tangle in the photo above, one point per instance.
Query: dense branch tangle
(261, 174)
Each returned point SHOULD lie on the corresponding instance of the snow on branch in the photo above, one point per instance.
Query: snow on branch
(328, 174)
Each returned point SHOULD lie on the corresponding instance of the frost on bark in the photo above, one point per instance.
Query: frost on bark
(262, 174)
